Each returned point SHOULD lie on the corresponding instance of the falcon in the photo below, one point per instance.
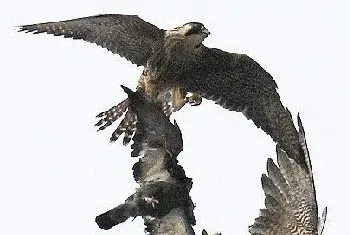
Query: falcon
(179, 69)
(290, 197)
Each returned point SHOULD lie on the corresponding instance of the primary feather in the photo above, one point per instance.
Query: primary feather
(290, 198)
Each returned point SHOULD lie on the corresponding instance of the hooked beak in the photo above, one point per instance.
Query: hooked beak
(205, 31)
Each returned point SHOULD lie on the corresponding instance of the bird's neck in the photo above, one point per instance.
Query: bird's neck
(176, 55)
(180, 46)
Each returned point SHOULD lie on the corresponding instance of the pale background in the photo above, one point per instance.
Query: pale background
(57, 173)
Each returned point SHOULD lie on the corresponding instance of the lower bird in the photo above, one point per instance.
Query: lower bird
(179, 69)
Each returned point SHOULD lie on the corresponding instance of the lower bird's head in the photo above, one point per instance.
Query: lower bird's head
(193, 33)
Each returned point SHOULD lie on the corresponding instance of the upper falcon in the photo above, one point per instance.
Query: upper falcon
(176, 63)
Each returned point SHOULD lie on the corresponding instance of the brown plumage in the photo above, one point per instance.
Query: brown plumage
(177, 63)
(291, 206)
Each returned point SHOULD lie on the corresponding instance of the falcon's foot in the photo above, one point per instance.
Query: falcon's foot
(177, 102)
(127, 125)
(194, 99)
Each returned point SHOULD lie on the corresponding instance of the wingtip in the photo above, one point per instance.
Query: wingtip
(263, 180)
(24, 28)
(20, 28)
(322, 221)
(269, 165)
(300, 124)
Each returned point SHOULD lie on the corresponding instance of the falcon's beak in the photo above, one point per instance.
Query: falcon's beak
(206, 31)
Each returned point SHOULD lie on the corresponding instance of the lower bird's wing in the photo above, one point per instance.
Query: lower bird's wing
(291, 206)
(238, 83)
(126, 35)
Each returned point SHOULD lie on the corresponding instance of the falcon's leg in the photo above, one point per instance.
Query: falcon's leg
(194, 99)
(179, 98)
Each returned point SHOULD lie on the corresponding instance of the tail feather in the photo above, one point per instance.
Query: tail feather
(111, 115)
(116, 216)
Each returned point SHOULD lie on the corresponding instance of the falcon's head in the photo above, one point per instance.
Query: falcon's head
(193, 33)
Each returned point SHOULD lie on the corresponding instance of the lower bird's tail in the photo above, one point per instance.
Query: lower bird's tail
(116, 216)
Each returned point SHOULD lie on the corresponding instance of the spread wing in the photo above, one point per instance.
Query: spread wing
(291, 206)
(126, 35)
(238, 83)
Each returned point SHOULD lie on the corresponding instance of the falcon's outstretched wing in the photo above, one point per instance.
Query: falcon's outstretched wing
(126, 35)
(291, 206)
(238, 83)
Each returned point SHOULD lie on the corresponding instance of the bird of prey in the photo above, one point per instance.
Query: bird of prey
(178, 69)
(291, 206)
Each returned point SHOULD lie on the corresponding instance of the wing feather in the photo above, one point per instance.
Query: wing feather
(238, 83)
(290, 198)
(126, 35)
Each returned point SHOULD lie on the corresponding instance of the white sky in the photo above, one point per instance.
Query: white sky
(57, 173)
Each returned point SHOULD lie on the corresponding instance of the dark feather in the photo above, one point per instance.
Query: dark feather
(295, 212)
(238, 83)
(154, 129)
(117, 215)
(126, 35)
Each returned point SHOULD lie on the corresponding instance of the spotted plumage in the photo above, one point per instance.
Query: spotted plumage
(290, 198)
(177, 63)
